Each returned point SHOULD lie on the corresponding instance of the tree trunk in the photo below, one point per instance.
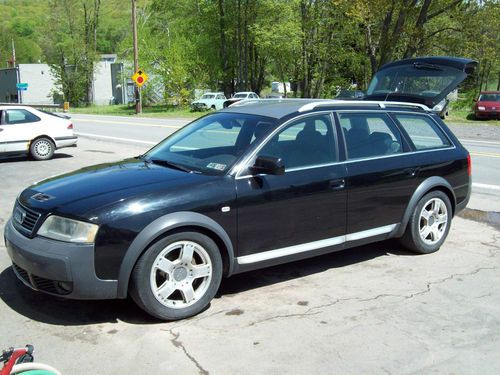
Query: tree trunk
(245, 47)
(481, 80)
(226, 83)
(305, 62)
(418, 33)
(239, 47)
(372, 50)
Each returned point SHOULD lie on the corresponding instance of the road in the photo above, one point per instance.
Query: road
(484, 148)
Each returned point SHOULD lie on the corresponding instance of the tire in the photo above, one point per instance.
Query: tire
(212, 108)
(429, 223)
(177, 276)
(42, 149)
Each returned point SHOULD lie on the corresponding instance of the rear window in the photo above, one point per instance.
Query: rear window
(423, 132)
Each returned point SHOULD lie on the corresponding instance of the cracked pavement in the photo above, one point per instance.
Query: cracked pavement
(374, 309)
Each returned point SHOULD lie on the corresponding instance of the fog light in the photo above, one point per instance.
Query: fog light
(66, 287)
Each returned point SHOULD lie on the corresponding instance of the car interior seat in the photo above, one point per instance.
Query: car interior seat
(358, 137)
(310, 145)
(380, 143)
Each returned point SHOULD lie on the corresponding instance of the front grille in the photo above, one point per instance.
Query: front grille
(25, 219)
(39, 283)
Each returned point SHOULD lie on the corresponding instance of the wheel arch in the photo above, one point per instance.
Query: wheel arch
(426, 186)
(42, 136)
(169, 224)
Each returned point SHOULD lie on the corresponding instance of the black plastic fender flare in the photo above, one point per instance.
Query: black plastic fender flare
(422, 189)
(160, 226)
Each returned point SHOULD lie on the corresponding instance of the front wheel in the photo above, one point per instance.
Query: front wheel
(178, 276)
(42, 149)
(429, 224)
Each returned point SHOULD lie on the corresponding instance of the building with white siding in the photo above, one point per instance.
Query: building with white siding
(107, 85)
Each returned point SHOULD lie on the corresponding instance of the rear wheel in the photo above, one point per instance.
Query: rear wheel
(42, 149)
(429, 224)
(178, 276)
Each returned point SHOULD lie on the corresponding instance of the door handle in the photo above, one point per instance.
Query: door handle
(337, 184)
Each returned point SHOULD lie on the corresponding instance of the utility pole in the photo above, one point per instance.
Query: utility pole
(137, 90)
(13, 53)
(18, 77)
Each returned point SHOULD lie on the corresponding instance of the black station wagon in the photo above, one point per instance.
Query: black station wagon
(257, 184)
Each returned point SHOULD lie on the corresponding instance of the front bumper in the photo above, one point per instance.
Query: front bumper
(488, 114)
(199, 106)
(55, 267)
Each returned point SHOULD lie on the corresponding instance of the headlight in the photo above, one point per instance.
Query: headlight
(481, 108)
(68, 230)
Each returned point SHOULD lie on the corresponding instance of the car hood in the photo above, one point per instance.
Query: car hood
(88, 189)
(423, 80)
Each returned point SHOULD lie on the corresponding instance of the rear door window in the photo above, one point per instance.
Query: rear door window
(370, 135)
(422, 131)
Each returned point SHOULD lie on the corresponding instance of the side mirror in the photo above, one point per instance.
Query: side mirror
(268, 165)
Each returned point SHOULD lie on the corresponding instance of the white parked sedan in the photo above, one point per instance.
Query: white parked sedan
(25, 130)
(240, 96)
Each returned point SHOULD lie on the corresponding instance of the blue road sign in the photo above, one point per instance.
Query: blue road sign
(22, 89)
(22, 86)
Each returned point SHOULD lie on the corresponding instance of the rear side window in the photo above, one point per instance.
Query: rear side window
(369, 135)
(19, 116)
(423, 132)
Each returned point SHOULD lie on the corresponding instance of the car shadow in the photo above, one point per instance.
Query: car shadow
(471, 116)
(59, 311)
(284, 272)
(19, 158)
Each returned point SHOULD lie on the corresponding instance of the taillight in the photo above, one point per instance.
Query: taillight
(70, 126)
(469, 165)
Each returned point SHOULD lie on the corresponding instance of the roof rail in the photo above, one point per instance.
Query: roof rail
(311, 106)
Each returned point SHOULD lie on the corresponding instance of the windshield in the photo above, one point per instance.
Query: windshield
(208, 96)
(489, 97)
(211, 144)
(240, 96)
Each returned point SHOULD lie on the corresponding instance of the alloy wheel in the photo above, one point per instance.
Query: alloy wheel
(433, 221)
(43, 148)
(181, 274)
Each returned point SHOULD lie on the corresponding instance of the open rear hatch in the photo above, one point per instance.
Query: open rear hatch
(423, 80)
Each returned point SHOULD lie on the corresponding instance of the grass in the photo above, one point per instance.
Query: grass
(169, 111)
(162, 111)
(467, 117)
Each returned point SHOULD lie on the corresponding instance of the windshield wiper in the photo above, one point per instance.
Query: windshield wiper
(169, 164)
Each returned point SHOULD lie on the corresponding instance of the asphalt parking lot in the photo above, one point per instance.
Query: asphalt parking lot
(374, 309)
